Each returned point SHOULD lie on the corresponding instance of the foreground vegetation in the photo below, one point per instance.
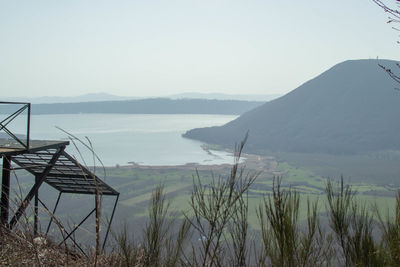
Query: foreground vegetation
(352, 235)
(215, 229)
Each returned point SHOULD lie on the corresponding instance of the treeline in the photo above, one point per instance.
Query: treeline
(145, 106)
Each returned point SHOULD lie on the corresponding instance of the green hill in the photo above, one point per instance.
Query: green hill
(352, 107)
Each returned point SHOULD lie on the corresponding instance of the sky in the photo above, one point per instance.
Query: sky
(162, 47)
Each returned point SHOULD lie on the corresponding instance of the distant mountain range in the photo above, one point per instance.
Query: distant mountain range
(353, 107)
(68, 99)
(99, 97)
(144, 106)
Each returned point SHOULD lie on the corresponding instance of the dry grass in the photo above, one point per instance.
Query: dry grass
(17, 250)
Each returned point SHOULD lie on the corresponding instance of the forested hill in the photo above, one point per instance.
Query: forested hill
(352, 107)
(148, 106)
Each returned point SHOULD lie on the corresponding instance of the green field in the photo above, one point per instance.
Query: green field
(136, 185)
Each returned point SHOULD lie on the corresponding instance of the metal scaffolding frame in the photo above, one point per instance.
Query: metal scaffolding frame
(4, 123)
(48, 162)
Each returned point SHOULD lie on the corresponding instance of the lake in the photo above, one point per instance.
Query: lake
(146, 139)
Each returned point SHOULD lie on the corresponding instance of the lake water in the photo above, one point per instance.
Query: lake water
(147, 139)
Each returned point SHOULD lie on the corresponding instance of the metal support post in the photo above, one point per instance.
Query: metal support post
(97, 214)
(28, 126)
(36, 209)
(54, 212)
(109, 223)
(76, 227)
(5, 190)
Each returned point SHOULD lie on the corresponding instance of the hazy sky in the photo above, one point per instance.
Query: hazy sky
(149, 47)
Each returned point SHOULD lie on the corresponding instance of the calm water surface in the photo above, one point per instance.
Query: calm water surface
(146, 139)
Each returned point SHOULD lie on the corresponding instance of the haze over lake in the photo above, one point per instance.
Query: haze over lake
(147, 139)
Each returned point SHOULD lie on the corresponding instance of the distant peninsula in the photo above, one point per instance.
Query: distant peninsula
(147, 106)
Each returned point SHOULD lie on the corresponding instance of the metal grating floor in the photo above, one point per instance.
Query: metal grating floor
(66, 175)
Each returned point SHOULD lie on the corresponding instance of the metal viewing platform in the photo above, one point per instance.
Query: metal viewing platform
(49, 163)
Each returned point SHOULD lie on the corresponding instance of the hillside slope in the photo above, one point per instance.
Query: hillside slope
(350, 108)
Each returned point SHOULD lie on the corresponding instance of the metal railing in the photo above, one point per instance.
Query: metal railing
(14, 114)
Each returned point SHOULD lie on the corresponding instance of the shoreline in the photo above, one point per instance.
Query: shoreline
(250, 162)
